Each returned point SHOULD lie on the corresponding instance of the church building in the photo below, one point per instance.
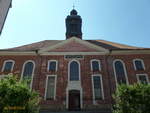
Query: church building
(76, 74)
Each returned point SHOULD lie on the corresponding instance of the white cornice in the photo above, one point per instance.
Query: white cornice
(8, 53)
(113, 52)
(127, 52)
(73, 53)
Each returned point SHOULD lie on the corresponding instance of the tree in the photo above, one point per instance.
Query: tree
(132, 99)
(17, 97)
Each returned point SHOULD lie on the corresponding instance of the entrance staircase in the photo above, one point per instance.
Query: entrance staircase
(102, 111)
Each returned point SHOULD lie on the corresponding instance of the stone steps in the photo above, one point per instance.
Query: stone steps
(79, 112)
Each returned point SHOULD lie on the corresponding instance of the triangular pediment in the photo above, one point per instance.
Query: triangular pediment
(74, 45)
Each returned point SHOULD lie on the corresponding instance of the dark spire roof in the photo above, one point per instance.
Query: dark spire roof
(73, 12)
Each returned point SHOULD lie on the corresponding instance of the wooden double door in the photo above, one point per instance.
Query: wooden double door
(74, 100)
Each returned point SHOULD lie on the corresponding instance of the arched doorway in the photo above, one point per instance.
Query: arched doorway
(74, 100)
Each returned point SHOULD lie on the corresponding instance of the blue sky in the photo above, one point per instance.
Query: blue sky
(122, 21)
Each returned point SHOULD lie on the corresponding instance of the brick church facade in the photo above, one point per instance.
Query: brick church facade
(76, 74)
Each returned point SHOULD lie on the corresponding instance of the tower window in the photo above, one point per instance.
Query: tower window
(138, 64)
(52, 65)
(74, 71)
(8, 66)
(142, 78)
(97, 87)
(95, 65)
(120, 72)
(28, 70)
(50, 87)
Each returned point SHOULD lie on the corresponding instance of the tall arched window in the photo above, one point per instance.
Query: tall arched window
(27, 72)
(120, 72)
(74, 71)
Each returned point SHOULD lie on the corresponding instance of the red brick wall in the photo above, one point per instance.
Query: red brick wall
(62, 74)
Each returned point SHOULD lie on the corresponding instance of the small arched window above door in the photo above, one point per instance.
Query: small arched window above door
(138, 64)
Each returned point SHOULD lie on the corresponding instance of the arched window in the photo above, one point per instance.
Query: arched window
(52, 65)
(74, 71)
(95, 65)
(8, 66)
(28, 70)
(138, 64)
(120, 72)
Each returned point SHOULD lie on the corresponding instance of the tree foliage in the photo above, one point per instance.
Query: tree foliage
(132, 99)
(17, 97)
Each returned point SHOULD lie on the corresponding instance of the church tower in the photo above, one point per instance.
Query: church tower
(73, 25)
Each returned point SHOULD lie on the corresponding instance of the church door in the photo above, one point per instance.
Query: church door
(74, 100)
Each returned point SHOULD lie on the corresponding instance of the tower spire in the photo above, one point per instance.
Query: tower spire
(73, 25)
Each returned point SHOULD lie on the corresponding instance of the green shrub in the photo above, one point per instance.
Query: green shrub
(17, 97)
(132, 99)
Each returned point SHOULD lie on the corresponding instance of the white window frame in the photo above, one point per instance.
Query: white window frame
(55, 87)
(4, 64)
(99, 75)
(137, 59)
(99, 63)
(32, 76)
(49, 65)
(125, 71)
(137, 76)
(69, 69)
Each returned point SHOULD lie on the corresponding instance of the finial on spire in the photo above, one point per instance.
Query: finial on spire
(73, 6)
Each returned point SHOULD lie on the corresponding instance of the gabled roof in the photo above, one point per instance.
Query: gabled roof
(48, 43)
(74, 44)
(112, 45)
(34, 46)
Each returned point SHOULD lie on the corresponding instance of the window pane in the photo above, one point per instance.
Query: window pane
(95, 65)
(98, 94)
(52, 66)
(97, 87)
(138, 65)
(28, 69)
(74, 71)
(27, 72)
(120, 72)
(96, 82)
(142, 79)
(8, 66)
(50, 88)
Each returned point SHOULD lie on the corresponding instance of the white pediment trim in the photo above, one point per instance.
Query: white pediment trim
(18, 53)
(125, 52)
(88, 44)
